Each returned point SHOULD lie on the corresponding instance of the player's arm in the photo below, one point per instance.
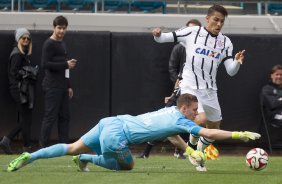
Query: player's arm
(177, 141)
(174, 36)
(232, 66)
(217, 134)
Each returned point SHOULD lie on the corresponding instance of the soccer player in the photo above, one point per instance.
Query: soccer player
(111, 137)
(208, 47)
(176, 62)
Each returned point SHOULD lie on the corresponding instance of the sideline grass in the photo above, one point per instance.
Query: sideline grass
(155, 170)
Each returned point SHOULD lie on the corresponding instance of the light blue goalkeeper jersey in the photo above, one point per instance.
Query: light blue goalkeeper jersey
(157, 125)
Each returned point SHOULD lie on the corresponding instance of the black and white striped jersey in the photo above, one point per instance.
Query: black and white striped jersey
(204, 53)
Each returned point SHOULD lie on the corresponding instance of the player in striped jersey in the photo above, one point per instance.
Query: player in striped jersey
(206, 49)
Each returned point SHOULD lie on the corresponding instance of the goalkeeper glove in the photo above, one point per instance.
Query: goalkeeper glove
(245, 136)
(199, 156)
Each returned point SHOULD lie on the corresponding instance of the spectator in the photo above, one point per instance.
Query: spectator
(56, 87)
(22, 78)
(272, 97)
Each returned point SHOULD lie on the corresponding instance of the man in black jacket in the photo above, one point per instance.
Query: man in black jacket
(56, 86)
(272, 97)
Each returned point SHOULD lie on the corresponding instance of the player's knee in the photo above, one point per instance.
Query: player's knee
(77, 147)
(213, 125)
(201, 119)
(126, 167)
(72, 150)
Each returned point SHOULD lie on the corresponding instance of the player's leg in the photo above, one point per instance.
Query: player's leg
(212, 109)
(204, 142)
(200, 120)
(115, 152)
(208, 103)
(57, 150)
(118, 160)
(147, 150)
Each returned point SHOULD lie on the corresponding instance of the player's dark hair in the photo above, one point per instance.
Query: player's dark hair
(275, 68)
(186, 99)
(60, 21)
(217, 8)
(194, 21)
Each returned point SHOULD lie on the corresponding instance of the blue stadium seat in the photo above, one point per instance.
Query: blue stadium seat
(79, 4)
(6, 4)
(148, 6)
(274, 8)
(113, 5)
(42, 4)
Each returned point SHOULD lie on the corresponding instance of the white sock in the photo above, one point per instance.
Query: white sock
(203, 143)
(193, 139)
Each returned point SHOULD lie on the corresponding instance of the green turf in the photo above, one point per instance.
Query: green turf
(155, 170)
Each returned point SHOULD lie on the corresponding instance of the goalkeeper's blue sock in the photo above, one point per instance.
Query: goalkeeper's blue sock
(56, 150)
(100, 160)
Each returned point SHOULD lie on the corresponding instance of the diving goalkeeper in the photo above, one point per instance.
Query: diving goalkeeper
(111, 137)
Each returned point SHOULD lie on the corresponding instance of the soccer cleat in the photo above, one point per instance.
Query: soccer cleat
(142, 155)
(179, 156)
(82, 166)
(19, 162)
(201, 168)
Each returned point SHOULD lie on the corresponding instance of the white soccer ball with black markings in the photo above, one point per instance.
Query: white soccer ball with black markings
(257, 159)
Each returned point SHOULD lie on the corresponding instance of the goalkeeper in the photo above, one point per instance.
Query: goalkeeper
(111, 137)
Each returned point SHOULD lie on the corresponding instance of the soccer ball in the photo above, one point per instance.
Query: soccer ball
(257, 159)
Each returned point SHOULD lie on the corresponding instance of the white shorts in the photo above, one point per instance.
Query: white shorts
(207, 102)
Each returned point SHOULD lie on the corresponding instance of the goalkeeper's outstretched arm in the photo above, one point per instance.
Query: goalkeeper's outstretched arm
(217, 134)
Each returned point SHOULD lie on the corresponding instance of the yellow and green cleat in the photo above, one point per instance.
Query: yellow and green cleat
(19, 162)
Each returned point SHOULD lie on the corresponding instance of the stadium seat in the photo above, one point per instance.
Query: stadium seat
(77, 5)
(272, 129)
(148, 6)
(42, 4)
(274, 8)
(6, 4)
(113, 5)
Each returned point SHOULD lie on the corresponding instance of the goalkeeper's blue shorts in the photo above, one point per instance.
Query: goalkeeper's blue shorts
(108, 138)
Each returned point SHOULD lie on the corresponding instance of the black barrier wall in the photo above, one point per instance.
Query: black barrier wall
(127, 73)
(140, 78)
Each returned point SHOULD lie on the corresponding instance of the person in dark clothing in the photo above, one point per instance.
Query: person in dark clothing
(272, 97)
(176, 62)
(22, 78)
(56, 86)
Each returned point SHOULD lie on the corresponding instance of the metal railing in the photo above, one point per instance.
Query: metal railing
(260, 4)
